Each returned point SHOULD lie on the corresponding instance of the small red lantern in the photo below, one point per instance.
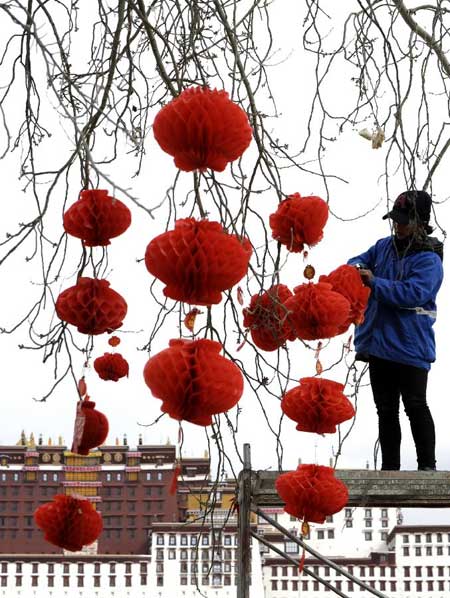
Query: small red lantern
(202, 128)
(317, 405)
(96, 218)
(299, 221)
(91, 427)
(197, 261)
(91, 306)
(347, 281)
(114, 341)
(267, 318)
(111, 366)
(193, 380)
(317, 311)
(311, 492)
(69, 522)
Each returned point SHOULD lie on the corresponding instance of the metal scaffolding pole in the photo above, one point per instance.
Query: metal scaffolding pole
(244, 548)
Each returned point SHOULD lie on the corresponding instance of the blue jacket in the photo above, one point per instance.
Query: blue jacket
(398, 322)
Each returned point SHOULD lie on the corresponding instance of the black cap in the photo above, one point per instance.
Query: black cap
(411, 206)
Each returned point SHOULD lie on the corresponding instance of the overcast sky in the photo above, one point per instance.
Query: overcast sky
(128, 403)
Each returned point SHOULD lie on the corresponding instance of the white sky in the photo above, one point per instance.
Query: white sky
(128, 402)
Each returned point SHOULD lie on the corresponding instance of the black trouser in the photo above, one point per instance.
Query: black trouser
(389, 381)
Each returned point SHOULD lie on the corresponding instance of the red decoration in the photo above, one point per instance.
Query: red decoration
(197, 261)
(190, 317)
(174, 481)
(202, 128)
(96, 218)
(91, 306)
(317, 311)
(267, 318)
(299, 221)
(114, 341)
(311, 492)
(111, 366)
(317, 405)
(69, 522)
(82, 388)
(91, 428)
(193, 380)
(347, 281)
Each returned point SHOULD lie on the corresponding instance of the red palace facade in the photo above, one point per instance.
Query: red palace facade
(130, 487)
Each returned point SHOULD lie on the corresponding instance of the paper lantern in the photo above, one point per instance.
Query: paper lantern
(193, 380)
(91, 306)
(111, 366)
(96, 218)
(317, 311)
(202, 128)
(317, 405)
(197, 261)
(91, 427)
(113, 341)
(311, 492)
(299, 221)
(267, 318)
(69, 522)
(346, 280)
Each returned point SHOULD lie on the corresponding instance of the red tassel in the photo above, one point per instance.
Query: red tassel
(301, 562)
(174, 481)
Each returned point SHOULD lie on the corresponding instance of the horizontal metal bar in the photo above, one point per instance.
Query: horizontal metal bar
(367, 488)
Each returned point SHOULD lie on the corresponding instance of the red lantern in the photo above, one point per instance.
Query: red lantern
(96, 218)
(311, 492)
(299, 221)
(317, 405)
(91, 306)
(197, 261)
(69, 522)
(91, 428)
(317, 311)
(114, 341)
(111, 366)
(202, 128)
(347, 281)
(267, 318)
(193, 380)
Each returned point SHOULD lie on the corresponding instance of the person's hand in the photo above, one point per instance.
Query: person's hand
(366, 276)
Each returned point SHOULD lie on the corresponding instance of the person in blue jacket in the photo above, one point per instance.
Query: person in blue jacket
(404, 272)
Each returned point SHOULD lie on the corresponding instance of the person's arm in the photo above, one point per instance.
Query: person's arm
(366, 259)
(421, 285)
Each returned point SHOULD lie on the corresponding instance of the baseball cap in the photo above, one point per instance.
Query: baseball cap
(411, 206)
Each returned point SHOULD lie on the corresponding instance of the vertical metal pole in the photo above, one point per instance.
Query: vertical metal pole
(244, 548)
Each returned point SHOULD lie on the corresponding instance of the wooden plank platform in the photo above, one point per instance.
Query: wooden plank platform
(367, 488)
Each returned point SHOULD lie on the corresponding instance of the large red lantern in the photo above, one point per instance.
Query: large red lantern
(317, 311)
(346, 280)
(91, 427)
(267, 318)
(96, 218)
(311, 493)
(193, 380)
(197, 261)
(111, 366)
(317, 405)
(69, 522)
(202, 128)
(299, 221)
(91, 306)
